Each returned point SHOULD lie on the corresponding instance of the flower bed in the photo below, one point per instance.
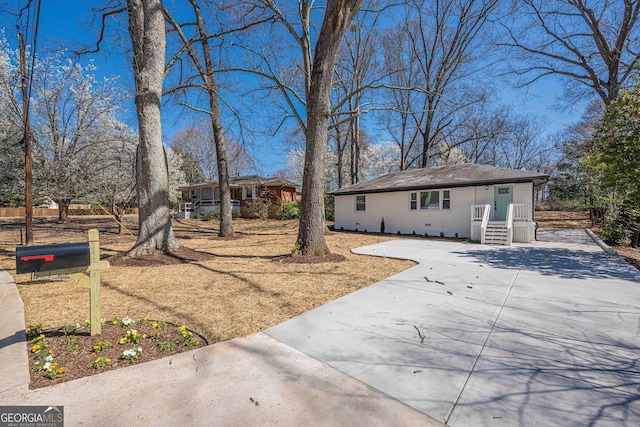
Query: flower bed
(69, 352)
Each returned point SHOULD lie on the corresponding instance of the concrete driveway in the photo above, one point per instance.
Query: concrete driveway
(540, 334)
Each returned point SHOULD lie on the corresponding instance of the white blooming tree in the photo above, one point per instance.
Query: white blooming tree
(176, 175)
(73, 121)
(12, 157)
(114, 182)
(379, 159)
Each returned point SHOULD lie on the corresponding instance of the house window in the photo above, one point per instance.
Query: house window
(234, 194)
(430, 200)
(446, 199)
(248, 192)
(360, 203)
(413, 201)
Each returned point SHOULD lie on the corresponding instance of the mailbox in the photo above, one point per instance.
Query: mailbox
(31, 259)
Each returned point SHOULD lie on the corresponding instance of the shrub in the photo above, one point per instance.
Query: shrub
(615, 230)
(382, 226)
(290, 210)
(235, 213)
(329, 207)
(261, 206)
(208, 216)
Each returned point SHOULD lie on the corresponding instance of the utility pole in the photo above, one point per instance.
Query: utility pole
(28, 199)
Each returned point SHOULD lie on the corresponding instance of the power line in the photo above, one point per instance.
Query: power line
(34, 42)
(27, 84)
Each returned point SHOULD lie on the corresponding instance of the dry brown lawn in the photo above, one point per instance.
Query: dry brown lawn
(560, 219)
(239, 290)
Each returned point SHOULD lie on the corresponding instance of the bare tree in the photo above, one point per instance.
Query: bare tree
(495, 135)
(197, 143)
(203, 62)
(441, 39)
(147, 31)
(303, 79)
(338, 15)
(482, 131)
(594, 45)
(403, 68)
(356, 74)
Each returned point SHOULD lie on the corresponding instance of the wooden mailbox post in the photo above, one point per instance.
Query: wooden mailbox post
(46, 261)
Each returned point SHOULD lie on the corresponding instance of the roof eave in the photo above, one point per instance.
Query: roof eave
(535, 180)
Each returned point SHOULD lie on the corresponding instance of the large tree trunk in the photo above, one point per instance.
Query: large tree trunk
(63, 209)
(338, 14)
(226, 218)
(207, 73)
(147, 30)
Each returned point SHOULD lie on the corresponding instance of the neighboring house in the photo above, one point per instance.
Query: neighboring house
(493, 205)
(245, 190)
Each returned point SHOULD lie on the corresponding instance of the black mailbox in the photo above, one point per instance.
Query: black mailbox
(31, 259)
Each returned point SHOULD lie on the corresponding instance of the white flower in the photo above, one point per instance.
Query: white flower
(128, 353)
(127, 321)
(46, 366)
(49, 358)
(139, 350)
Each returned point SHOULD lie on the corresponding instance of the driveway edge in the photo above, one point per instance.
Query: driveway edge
(608, 249)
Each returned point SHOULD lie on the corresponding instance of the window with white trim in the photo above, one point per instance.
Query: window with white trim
(430, 200)
(360, 203)
(248, 193)
(235, 194)
(413, 201)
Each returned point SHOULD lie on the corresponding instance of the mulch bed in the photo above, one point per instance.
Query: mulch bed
(181, 256)
(75, 353)
(298, 259)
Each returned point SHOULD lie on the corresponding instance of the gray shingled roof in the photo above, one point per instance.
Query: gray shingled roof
(244, 181)
(460, 175)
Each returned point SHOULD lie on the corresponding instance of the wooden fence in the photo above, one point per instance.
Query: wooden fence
(40, 212)
(20, 212)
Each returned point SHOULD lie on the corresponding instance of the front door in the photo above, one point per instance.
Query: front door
(503, 197)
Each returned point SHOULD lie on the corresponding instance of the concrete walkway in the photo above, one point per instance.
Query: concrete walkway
(541, 334)
(251, 381)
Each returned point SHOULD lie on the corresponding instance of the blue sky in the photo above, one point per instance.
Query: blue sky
(71, 21)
